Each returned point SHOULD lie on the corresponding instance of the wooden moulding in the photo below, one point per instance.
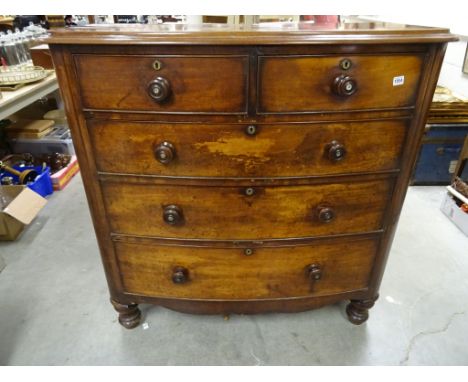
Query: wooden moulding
(287, 34)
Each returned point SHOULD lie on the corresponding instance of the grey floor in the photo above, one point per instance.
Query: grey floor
(54, 306)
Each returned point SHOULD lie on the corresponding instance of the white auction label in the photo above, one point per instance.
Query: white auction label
(397, 81)
(452, 166)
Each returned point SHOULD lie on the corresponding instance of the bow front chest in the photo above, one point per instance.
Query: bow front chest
(246, 169)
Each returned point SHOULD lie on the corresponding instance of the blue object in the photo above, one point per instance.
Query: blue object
(43, 183)
(440, 150)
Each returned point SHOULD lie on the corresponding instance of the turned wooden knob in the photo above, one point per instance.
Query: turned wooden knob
(335, 151)
(325, 214)
(172, 215)
(165, 152)
(344, 85)
(159, 89)
(314, 272)
(180, 275)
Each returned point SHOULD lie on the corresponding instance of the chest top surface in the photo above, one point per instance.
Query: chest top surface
(267, 34)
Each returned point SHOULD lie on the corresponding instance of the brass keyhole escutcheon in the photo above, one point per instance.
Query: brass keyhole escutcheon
(249, 191)
(251, 130)
(345, 64)
(248, 252)
(157, 65)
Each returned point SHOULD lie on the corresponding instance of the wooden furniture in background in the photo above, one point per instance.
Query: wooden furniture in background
(40, 55)
(447, 108)
(55, 21)
(246, 170)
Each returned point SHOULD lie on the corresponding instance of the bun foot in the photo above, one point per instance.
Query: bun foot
(358, 310)
(129, 315)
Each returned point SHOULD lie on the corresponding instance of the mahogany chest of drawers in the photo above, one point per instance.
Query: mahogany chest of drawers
(245, 170)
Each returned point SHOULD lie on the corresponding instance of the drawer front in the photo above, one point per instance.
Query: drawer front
(305, 83)
(228, 151)
(207, 273)
(235, 213)
(185, 84)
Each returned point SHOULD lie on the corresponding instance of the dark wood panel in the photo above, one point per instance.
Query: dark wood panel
(430, 76)
(228, 151)
(276, 49)
(305, 83)
(228, 213)
(230, 274)
(69, 89)
(216, 84)
(199, 119)
(242, 181)
(246, 306)
(269, 243)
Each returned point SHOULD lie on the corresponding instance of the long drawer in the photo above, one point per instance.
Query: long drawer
(197, 84)
(336, 83)
(228, 273)
(245, 212)
(246, 150)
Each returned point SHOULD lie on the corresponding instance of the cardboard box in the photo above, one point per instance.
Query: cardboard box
(42, 184)
(61, 178)
(19, 206)
(31, 129)
(453, 211)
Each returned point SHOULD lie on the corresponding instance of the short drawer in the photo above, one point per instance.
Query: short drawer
(228, 273)
(204, 84)
(245, 212)
(246, 150)
(329, 83)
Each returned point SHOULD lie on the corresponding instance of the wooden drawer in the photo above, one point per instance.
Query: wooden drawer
(229, 213)
(313, 83)
(227, 273)
(198, 84)
(227, 151)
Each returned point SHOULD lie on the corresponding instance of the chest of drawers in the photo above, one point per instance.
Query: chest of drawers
(246, 170)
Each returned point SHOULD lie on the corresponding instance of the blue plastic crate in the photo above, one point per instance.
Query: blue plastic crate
(439, 153)
(43, 183)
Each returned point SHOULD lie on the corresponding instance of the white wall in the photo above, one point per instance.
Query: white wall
(451, 74)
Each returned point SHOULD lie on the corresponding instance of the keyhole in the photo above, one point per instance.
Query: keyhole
(345, 64)
(157, 65)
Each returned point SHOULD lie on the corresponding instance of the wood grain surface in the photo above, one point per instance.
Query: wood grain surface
(230, 274)
(217, 150)
(216, 84)
(301, 84)
(228, 213)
